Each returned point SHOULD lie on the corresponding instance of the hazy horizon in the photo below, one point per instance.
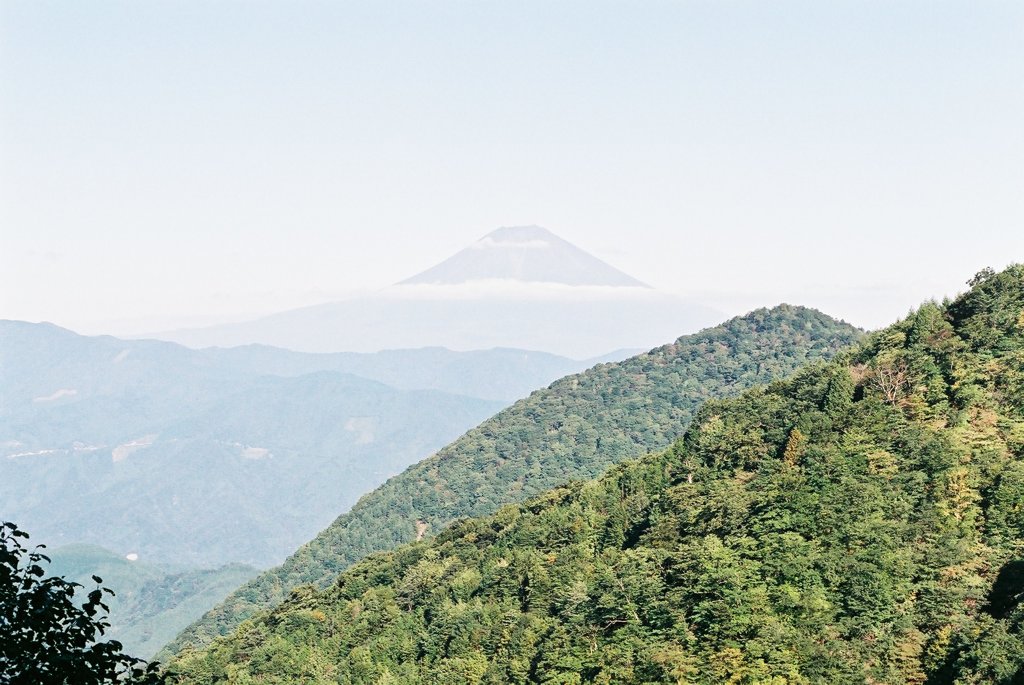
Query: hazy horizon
(178, 163)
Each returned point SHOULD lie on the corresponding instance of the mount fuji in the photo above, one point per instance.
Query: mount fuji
(524, 254)
(520, 287)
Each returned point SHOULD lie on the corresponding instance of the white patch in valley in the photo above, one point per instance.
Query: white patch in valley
(63, 392)
(256, 452)
(39, 453)
(132, 557)
(121, 452)
(365, 428)
(76, 448)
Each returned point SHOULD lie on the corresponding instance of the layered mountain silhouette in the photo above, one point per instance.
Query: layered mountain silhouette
(206, 457)
(112, 442)
(521, 287)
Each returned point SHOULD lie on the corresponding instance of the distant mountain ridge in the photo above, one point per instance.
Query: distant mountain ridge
(520, 287)
(503, 374)
(573, 429)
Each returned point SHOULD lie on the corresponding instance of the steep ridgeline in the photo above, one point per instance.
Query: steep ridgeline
(857, 523)
(574, 429)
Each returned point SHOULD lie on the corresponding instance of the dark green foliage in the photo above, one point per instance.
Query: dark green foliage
(48, 639)
(852, 524)
(574, 429)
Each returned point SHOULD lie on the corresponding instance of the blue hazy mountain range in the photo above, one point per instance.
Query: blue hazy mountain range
(175, 474)
(214, 456)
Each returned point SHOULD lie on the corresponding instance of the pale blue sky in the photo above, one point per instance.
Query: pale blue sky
(171, 162)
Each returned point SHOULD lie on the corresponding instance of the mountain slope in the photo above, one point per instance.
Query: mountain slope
(857, 523)
(520, 287)
(574, 429)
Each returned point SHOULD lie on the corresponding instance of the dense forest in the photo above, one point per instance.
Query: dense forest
(574, 429)
(859, 522)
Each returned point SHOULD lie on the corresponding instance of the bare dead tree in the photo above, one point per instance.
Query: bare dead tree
(892, 379)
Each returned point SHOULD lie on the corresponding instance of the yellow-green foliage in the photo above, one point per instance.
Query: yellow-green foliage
(574, 429)
(793, 535)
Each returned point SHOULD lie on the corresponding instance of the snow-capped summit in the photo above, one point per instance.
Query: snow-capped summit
(520, 286)
(528, 254)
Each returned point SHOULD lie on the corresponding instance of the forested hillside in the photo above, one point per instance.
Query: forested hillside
(574, 429)
(860, 522)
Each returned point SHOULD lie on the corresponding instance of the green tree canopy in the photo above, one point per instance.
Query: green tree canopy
(858, 522)
(574, 429)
